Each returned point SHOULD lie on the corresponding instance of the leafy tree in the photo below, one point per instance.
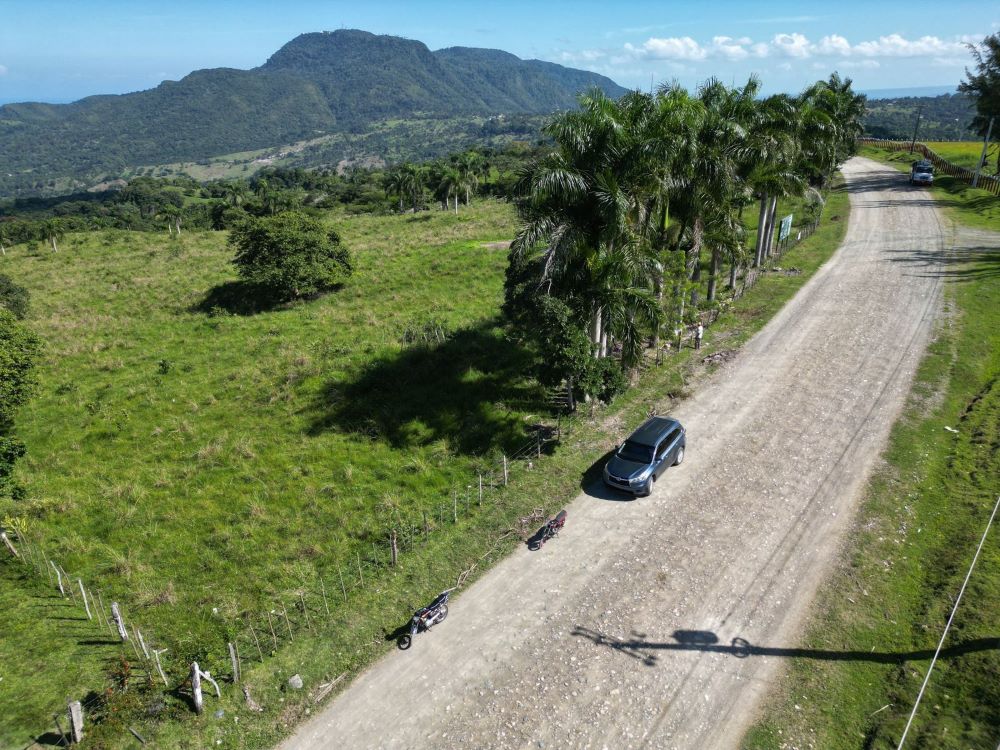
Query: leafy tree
(983, 86)
(19, 348)
(290, 254)
(14, 297)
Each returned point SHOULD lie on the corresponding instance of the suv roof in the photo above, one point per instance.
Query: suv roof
(652, 430)
(922, 164)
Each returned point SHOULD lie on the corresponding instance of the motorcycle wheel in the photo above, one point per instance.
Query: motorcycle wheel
(444, 613)
(405, 641)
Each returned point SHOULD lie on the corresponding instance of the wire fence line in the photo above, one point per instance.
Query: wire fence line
(259, 632)
(986, 182)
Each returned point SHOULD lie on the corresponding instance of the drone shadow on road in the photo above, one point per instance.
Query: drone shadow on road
(646, 651)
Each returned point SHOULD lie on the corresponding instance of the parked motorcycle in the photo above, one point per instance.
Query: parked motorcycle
(425, 618)
(552, 527)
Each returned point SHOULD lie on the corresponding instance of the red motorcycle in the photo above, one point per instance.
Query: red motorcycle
(552, 527)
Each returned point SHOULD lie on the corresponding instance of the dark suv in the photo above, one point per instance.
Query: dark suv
(658, 443)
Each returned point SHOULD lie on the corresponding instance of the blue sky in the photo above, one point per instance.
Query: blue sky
(59, 50)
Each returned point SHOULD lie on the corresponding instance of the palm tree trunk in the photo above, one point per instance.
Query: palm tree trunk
(732, 274)
(694, 258)
(758, 253)
(713, 277)
(770, 227)
(400, 203)
(595, 331)
(55, 248)
(658, 285)
(604, 342)
(456, 203)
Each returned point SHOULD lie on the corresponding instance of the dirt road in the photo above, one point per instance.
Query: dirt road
(659, 623)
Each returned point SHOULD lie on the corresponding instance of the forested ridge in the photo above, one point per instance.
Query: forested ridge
(318, 83)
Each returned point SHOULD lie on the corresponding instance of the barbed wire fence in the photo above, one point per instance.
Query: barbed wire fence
(259, 633)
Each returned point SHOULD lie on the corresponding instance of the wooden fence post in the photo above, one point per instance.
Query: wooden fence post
(505, 470)
(235, 663)
(393, 547)
(159, 667)
(480, 490)
(58, 579)
(75, 722)
(343, 588)
(196, 688)
(116, 615)
(326, 606)
(83, 593)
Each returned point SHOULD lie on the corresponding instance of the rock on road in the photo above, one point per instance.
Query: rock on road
(660, 623)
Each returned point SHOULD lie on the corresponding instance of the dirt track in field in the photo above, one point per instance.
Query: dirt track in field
(660, 623)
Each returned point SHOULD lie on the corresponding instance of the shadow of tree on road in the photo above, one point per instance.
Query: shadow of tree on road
(706, 641)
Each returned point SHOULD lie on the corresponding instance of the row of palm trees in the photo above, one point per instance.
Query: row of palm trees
(617, 216)
(447, 181)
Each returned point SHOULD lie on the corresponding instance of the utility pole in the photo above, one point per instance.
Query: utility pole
(916, 126)
(982, 159)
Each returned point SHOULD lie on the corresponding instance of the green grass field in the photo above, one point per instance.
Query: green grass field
(203, 462)
(964, 153)
(972, 207)
(920, 523)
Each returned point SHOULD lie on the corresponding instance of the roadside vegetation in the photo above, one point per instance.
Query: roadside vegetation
(924, 512)
(198, 450)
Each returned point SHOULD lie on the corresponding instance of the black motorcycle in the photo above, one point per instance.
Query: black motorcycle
(425, 618)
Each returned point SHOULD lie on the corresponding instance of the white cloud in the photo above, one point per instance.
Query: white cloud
(731, 49)
(896, 45)
(3, 70)
(792, 45)
(834, 44)
(670, 48)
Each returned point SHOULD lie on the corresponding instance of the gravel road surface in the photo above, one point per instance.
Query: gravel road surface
(659, 623)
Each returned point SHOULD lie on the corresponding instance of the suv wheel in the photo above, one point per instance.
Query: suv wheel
(649, 485)
(680, 456)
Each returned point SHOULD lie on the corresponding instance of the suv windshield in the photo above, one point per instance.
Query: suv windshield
(923, 168)
(641, 454)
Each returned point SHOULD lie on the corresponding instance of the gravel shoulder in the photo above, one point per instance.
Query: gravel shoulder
(660, 623)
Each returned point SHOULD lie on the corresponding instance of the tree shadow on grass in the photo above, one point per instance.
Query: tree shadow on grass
(238, 298)
(470, 390)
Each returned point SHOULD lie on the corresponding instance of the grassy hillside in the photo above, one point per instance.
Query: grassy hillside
(943, 118)
(318, 84)
(921, 520)
(189, 459)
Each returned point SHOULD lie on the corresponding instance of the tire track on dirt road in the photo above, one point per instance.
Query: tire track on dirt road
(615, 635)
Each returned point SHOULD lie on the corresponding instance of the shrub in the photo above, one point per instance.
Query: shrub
(14, 297)
(290, 255)
(18, 349)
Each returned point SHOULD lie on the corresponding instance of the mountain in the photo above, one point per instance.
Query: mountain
(319, 83)
(942, 118)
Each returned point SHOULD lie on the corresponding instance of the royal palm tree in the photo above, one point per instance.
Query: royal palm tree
(583, 209)
(53, 230)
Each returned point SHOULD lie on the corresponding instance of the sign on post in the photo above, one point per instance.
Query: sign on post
(786, 228)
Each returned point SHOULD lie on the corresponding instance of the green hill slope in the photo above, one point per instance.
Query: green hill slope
(318, 83)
